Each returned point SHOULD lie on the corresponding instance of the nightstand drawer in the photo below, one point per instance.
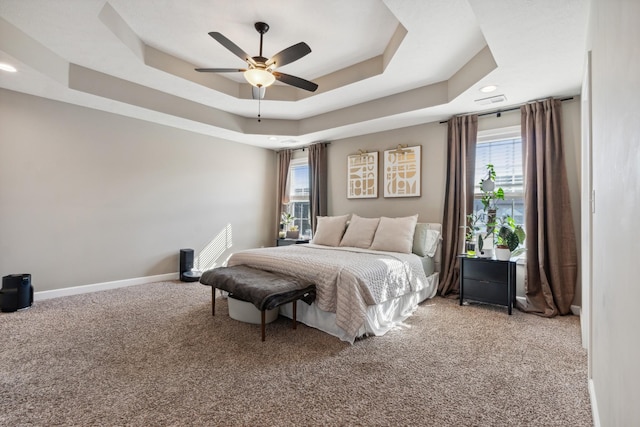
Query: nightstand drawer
(485, 291)
(491, 271)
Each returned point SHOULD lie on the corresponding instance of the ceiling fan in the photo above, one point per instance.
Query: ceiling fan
(260, 72)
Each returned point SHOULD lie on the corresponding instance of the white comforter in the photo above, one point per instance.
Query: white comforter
(346, 279)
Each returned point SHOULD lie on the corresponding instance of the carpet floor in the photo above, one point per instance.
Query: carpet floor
(152, 355)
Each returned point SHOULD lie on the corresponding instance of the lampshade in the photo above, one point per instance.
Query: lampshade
(259, 78)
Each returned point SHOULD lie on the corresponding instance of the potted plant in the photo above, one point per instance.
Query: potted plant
(286, 219)
(508, 239)
(291, 230)
(490, 195)
(472, 229)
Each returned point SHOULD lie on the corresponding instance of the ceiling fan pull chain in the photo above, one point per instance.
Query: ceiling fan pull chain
(259, 105)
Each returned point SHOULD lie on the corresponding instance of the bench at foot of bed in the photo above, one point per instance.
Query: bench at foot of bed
(264, 289)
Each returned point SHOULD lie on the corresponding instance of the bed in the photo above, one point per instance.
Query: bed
(370, 273)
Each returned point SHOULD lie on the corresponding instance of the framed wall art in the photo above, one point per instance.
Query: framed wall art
(362, 175)
(402, 172)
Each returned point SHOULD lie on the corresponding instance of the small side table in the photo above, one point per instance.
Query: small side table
(287, 242)
(488, 280)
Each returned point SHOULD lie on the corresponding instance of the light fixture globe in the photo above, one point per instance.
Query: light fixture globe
(259, 77)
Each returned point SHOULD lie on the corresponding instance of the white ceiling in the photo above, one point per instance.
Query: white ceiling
(379, 64)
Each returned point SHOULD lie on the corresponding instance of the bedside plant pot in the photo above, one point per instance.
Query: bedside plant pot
(293, 234)
(503, 254)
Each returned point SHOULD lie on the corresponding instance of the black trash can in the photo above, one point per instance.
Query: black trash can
(16, 292)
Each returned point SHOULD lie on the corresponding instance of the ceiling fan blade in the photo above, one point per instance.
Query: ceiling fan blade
(220, 70)
(296, 81)
(232, 47)
(290, 54)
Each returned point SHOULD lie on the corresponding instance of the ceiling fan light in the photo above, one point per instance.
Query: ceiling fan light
(259, 78)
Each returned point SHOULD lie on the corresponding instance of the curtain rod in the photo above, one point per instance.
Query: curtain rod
(498, 112)
(305, 147)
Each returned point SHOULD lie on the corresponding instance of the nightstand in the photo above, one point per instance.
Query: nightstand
(488, 280)
(287, 242)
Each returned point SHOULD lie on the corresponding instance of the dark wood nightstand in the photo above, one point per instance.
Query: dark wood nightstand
(287, 242)
(488, 280)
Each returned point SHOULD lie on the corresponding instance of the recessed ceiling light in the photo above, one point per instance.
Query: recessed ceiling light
(488, 89)
(7, 67)
(273, 138)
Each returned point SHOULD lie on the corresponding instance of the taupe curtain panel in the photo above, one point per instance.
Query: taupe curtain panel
(458, 200)
(282, 198)
(551, 246)
(317, 182)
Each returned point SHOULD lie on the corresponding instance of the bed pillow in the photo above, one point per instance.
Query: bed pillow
(329, 230)
(425, 241)
(360, 232)
(395, 234)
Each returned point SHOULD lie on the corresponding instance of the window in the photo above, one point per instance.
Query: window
(299, 195)
(503, 149)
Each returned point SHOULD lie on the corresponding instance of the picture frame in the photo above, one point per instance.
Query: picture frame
(402, 171)
(362, 175)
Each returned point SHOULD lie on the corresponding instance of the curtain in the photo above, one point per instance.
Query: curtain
(282, 198)
(461, 165)
(317, 182)
(551, 270)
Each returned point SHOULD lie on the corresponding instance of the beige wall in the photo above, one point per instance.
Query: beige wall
(614, 341)
(432, 137)
(90, 197)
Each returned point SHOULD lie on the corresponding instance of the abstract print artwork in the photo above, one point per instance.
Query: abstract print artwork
(362, 176)
(402, 172)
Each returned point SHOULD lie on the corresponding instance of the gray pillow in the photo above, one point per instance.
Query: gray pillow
(425, 240)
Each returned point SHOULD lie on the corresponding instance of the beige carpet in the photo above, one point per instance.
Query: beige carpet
(152, 355)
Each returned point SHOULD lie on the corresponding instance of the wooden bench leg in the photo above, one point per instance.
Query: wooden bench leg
(213, 301)
(262, 315)
(295, 310)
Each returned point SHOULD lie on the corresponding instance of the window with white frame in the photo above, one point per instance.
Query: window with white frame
(503, 149)
(299, 195)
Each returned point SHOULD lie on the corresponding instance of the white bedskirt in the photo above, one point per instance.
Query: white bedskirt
(379, 319)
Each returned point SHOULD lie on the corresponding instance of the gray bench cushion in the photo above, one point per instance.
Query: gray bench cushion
(266, 290)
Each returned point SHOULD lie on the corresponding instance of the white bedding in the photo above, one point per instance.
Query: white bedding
(352, 285)
(379, 319)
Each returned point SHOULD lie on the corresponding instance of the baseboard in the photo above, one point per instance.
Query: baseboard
(76, 290)
(594, 404)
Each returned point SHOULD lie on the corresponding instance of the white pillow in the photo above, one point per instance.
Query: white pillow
(329, 230)
(360, 232)
(425, 241)
(395, 234)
